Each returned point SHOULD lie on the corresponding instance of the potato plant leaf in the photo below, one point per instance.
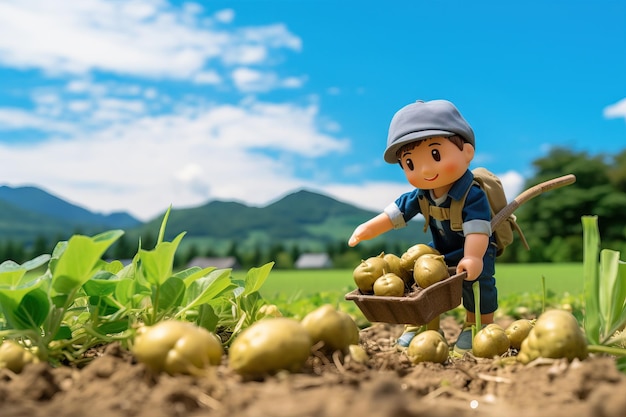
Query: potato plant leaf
(113, 327)
(129, 292)
(171, 294)
(189, 275)
(31, 311)
(26, 266)
(14, 285)
(256, 277)
(157, 264)
(63, 333)
(75, 265)
(207, 317)
(103, 283)
(206, 289)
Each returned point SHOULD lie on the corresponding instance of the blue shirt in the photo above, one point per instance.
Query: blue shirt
(476, 216)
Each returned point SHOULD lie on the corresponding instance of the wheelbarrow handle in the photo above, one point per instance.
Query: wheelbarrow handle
(531, 193)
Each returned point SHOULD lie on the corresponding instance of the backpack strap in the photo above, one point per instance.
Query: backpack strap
(425, 209)
(454, 213)
(512, 220)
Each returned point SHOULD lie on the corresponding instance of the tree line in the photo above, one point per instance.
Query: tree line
(551, 222)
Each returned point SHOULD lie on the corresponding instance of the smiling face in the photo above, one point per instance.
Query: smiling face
(435, 164)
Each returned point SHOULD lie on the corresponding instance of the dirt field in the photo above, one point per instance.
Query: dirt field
(113, 385)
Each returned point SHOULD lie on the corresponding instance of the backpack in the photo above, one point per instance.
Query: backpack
(492, 186)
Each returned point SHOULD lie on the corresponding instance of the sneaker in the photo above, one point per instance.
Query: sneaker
(464, 342)
(409, 333)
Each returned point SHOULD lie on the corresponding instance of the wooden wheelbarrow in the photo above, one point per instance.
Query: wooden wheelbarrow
(421, 305)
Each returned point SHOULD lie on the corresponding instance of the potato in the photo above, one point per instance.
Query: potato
(490, 341)
(429, 269)
(368, 271)
(270, 345)
(556, 334)
(269, 310)
(15, 357)
(428, 346)
(389, 285)
(177, 347)
(333, 327)
(394, 264)
(412, 254)
(518, 331)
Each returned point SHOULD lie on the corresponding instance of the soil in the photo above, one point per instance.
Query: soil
(386, 384)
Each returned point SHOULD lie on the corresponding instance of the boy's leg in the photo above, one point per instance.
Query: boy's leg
(470, 318)
(411, 331)
(464, 342)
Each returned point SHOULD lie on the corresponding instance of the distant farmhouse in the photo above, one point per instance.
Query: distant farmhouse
(219, 263)
(314, 261)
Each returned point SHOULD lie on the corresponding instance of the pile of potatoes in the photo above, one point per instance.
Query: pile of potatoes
(554, 334)
(269, 345)
(390, 275)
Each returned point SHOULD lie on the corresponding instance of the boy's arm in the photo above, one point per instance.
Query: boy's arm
(475, 247)
(371, 228)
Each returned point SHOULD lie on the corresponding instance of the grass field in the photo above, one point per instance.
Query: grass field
(512, 279)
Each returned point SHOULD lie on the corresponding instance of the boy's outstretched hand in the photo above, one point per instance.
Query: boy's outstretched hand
(370, 229)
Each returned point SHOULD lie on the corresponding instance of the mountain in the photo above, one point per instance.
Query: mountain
(29, 212)
(300, 216)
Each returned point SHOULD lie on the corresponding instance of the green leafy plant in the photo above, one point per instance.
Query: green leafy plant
(604, 294)
(229, 315)
(34, 307)
(81, 300)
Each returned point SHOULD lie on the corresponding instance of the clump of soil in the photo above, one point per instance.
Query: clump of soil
(387, 384)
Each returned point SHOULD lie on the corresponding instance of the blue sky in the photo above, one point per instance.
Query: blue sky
(135, 105)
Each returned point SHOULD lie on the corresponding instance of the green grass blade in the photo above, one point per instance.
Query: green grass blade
(163, 224)
(591, 248)
(618, 313)
(609, 286)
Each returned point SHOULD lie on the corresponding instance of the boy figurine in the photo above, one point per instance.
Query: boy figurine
(434, 146)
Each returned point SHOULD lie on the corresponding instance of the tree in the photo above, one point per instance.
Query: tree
(617, 173)
(551, 222)
(40, 246)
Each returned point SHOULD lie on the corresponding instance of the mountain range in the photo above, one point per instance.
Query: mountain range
(27, 213)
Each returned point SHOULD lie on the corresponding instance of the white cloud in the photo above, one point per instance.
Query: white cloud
(513, 183)
(616, 111)
(372, 195)
(111, 143)
(225, 16)
(147, 38)
(148, 163)
(207, 77)
(16, 119)
(251, 80)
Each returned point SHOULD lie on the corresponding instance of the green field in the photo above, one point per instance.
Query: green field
(512, 279)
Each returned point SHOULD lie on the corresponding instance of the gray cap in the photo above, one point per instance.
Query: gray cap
(423, 120)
